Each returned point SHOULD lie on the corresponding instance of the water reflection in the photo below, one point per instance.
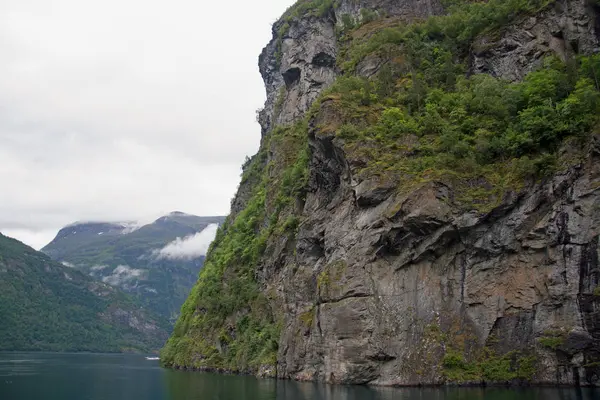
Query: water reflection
(17, 366)
(199, 386)
(47, 376)
(313, 391)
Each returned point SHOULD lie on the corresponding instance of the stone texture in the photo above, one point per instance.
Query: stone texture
(375, 281)
(563, 29)
(307, 61)
(372, 274)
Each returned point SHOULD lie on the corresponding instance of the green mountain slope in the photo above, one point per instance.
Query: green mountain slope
(47, 306)
(126, 257)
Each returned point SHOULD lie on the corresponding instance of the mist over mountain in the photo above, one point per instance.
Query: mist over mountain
(157, 262)
(47, 306)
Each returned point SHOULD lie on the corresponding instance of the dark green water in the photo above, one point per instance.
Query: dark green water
(47, 376)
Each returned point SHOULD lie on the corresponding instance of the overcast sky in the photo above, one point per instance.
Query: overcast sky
(125, 109)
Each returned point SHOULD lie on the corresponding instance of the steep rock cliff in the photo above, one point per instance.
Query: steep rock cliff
(403, 224)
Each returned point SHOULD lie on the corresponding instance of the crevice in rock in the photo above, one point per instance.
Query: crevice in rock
(463, 277)
(317, 249)
(562, 223)
(574, 45)
(595, 10)
(558, 34)
(326, 169)
(319, 320)
(323, 59)
(576, 376)
(291, 76)
(381, 357)
(512, 332)
(390, 241)
(462, 255)
(372, 198)
(589, 273)
(349, 296)
(589, 304)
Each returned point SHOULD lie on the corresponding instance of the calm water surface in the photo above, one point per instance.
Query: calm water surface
(49, 376)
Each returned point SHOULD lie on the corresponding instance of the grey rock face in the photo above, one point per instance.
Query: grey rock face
(565, 28)
(296, 77)
(370, 282)
(374, 276)
(299, 65)
(408, 9)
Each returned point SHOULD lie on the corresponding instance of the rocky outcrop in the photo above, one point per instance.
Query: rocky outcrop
(376, 275)
(384, 285)
(300, 61)
(373, 282)
(566, 29)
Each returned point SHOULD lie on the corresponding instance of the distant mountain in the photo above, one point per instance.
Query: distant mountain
(158, 263)
(45, 305)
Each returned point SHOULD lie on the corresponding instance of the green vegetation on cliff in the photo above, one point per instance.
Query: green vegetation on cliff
(463, 129)
(227, 321)
(420, 117)
(47, 306)
(488, 367)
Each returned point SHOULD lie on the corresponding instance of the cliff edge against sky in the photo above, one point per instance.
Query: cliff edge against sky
(425, 203)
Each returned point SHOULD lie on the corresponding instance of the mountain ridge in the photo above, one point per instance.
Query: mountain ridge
(126, 255)
(46, 306)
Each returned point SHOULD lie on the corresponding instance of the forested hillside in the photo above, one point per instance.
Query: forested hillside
(45, 305)
(128, 257)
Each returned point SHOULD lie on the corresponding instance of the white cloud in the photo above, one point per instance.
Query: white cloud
(191, 246)
(121, 109)
(123, 274)
(67, 264)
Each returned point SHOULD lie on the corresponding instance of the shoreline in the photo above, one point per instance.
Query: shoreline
(474, 385)
(74, 352)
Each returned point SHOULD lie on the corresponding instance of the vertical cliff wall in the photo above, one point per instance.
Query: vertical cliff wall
(424, 207)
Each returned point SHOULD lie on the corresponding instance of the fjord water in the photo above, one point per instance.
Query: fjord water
(51, 376)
